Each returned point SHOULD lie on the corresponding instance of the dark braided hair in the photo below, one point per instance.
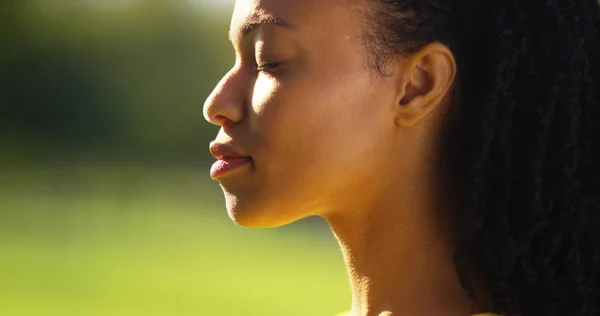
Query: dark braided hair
(522, 140)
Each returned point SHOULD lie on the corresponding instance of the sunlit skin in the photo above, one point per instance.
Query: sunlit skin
(330, 136)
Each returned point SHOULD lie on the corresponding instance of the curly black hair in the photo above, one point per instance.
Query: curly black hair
(522, 140)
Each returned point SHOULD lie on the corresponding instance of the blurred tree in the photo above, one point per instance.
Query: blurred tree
(85, 79)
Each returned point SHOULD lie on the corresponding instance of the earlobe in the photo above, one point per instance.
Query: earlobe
(426, 81)
(413, 112)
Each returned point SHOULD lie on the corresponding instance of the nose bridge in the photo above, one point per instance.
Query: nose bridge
(225, 104)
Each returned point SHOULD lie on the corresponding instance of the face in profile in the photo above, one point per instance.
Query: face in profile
(304, 119)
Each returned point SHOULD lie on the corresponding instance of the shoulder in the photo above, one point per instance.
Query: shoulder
(484, 314)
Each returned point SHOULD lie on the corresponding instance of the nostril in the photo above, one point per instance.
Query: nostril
(221, 120)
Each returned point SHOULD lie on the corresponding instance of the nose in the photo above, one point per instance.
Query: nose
(224, 106)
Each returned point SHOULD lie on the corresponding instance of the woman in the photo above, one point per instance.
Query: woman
(452, 146)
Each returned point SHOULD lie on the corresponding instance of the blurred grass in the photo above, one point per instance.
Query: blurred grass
(140, 241)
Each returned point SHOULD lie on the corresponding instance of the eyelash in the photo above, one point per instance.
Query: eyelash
(266, 66)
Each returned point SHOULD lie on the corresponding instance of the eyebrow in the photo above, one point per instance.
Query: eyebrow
(257, 21)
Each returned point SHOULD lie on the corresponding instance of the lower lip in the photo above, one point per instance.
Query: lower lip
(223, 166)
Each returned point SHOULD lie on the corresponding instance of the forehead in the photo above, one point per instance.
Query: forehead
(326, 15)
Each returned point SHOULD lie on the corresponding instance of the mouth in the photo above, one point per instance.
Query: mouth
(226, 164)
(229, 158)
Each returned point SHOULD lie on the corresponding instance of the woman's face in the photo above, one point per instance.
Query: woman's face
(304, 104)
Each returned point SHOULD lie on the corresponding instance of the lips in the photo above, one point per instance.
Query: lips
(228, 158)
(225, 165)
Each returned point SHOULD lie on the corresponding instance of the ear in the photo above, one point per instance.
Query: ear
(425, 80)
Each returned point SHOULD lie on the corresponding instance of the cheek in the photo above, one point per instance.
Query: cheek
(317, 126)
(347, 117)
(265, 90)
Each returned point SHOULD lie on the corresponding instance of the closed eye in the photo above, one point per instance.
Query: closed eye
(267, 66)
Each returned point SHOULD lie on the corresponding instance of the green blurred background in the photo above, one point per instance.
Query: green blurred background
(106, 207)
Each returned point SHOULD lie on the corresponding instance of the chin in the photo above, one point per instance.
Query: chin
(257, 213)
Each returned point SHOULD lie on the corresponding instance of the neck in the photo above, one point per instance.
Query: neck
(398, 254)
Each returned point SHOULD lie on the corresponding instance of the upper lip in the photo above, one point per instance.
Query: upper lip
(222, 151)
